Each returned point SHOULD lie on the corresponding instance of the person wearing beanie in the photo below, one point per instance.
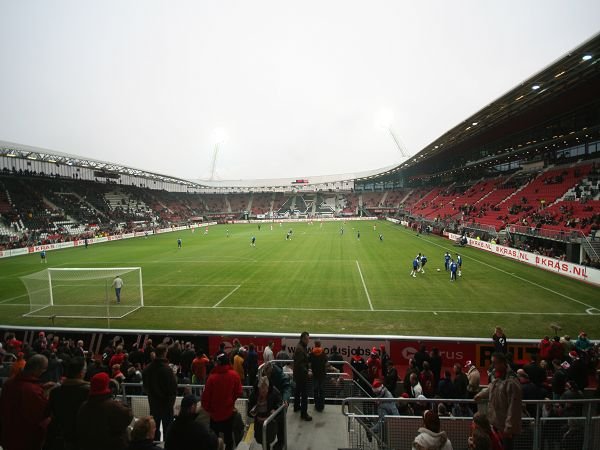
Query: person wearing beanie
(384, 408)
(319, 364)
(374, 365)
(161, 386)
(430, 437)
(187, 432)
(223, 388)
(102, 422)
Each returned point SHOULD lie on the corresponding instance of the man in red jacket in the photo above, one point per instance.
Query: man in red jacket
(24, 408)
(223, 388)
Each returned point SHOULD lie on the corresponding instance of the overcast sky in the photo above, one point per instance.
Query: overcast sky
(296, 84)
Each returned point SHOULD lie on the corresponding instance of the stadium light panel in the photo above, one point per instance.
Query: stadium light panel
(535, 87)
(586, 57)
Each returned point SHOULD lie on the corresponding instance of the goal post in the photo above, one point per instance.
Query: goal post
(84, 292)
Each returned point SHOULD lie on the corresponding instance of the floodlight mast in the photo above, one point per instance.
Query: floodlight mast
(400, 147)
(214, 162)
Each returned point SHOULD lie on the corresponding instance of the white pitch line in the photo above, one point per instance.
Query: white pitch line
(13, 298)
(277, 308)
(364, 285)
(225, 298)
(512, 274)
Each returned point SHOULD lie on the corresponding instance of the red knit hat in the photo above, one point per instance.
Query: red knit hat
(99, 384)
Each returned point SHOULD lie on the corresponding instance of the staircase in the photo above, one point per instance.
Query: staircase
(591, 248)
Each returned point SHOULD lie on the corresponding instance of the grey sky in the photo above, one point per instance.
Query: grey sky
(295, 84)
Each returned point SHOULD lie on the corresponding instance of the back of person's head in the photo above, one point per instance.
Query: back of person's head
(442, 410)
(251, 347)
(481, 421)
(334, 348)
(36, 365)
(303, 335)
(160, 351)
(143, 428)
(425, 365)
(317, 343)
(431, 421)
(75, 367)
(480, 440)
(222, 359)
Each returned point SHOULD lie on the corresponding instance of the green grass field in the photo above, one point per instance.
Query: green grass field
(319, 281)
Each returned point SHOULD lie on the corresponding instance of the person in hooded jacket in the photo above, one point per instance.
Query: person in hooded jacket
(386, 408)
(430, 436)
(319, 363)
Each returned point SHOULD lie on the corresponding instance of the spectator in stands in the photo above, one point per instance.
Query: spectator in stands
(530, 391)
(161, 386)
(412, 368)
(199, 367)
(18, 365)
(318, 363)
(278, 379)
(189, 433)
(483, 436)
(578, 370)
(536, 373)
(500, 342)
(102, 422)
(445, 387)
(430, 434)
(263, 402)
(238, 363)
(391, 378)
(142, 434)
(427, 380)
(421, 356)
(583, 344)
(301, 374)
(414, 387)
(460, 383)
(385, 360)
(474, 378)
(136, 356)
(64, 403)
(187, 356)
(223, 388)
(24, 408)
(118, 357)
(505, 401)
(335, 359)
(374, 366)
(268, 352)
(251, 364)
(384, 408)
(435, 364)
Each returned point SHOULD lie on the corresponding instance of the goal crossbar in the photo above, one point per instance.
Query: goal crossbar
(81, 292)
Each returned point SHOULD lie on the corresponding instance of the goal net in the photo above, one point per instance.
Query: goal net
(84, 292)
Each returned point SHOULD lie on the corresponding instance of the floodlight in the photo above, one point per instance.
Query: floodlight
(535, 87)
(586, 57)
(219, 135)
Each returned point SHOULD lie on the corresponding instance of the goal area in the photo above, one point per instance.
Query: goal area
(83, 293)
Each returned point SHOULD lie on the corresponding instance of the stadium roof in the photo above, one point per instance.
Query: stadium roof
(12, 150)
(577, 72)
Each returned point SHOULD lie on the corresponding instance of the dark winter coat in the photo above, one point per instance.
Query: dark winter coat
(188, 433)
(161, 386)
(102, 424)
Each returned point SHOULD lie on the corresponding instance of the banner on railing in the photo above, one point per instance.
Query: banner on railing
(97, 240)
(569, 269)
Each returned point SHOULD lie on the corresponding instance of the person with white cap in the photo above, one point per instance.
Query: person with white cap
(474, 378)
(384, 408)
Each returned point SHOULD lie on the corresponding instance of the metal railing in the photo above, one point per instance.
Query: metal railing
(281, 411)
(558, 235)
(542, 427)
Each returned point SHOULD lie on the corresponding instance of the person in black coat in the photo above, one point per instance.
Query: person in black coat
(160, 385)
(189, 433)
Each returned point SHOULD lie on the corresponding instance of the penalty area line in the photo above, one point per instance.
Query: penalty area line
(225, 298)
(364, 285)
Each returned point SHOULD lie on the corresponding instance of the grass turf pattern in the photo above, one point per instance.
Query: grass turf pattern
(321, 281)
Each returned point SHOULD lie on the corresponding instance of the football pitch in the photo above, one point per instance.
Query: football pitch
(320, 280)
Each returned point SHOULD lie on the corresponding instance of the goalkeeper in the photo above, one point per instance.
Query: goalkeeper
(118, 284)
